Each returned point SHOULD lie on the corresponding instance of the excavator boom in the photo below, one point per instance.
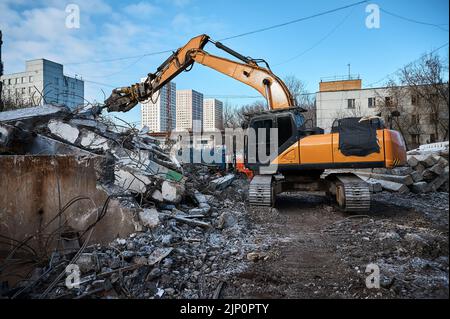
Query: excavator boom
(247, 71)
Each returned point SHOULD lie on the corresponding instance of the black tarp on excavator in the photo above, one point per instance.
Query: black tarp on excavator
(358, 137)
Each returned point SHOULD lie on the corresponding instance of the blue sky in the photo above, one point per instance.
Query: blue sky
(115, 29)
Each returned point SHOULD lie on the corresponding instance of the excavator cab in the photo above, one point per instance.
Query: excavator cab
(291, 125)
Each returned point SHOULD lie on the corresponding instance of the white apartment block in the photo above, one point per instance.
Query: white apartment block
(212, 114)
(43, 81)
(159, 112)
(338, 99)
(189, 110)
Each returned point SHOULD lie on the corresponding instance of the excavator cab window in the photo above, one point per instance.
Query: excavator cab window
(285, 129)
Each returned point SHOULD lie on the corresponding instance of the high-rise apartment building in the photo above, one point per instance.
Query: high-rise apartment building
(212, 114)
(189, 110)
(159, 112)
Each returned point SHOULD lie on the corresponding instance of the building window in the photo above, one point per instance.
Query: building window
(388, 101)
(433, 118)
(415, 119)
(9, 81)
(414, 100)
(23, 90)
(351, 103)
(30, 79)
(415, 138)
(23, 79)
(372, 102)
(432, 138)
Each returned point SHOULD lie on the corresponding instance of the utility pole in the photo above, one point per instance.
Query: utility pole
(349, 74)
(1, 72)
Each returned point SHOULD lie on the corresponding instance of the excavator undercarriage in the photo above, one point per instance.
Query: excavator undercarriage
(351, 193)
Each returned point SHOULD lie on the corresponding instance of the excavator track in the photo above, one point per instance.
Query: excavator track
(261, 191)
(353, 196)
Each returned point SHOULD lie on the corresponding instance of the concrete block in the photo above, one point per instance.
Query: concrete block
(416, 176)
(427, 160)
(419, 187)
(222, 182)
(419, 168)
(157, 196)
(406, 180)
(436, 183)
(401, 171)
(64, 131)
(149, 217)
(172, 192)
(412, 161)
(438, 168)
(393, 186)
(429, 175)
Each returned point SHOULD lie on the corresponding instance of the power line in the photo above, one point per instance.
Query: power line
(317, 43)
(414, 20)
(227, 38)
(120, 58)
(294, 21)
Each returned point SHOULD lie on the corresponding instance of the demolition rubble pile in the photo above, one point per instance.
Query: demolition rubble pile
(189, 227)
(426, 171)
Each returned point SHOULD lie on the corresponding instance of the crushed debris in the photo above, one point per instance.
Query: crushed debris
(102, 211)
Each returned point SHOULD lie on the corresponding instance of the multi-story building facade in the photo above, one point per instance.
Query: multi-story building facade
(43, 81)
(212, 114)
(416, 119)
(189, 110)
(159, 112)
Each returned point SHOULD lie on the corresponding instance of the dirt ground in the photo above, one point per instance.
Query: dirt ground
(321, 252)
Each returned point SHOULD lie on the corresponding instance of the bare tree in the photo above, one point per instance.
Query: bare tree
(419, 97)
(302, 98)
(17, 101)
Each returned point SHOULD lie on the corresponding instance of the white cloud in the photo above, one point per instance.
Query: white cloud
(38, 31)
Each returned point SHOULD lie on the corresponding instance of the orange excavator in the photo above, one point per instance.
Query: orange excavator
(302, 154)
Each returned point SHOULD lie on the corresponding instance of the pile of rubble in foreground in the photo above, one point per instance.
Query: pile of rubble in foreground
(115, 210)
(426, 171)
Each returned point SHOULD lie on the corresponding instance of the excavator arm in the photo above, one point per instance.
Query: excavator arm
(247, 71)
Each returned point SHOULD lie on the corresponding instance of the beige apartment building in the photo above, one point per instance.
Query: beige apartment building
(212, 114)
(346, 98)
(189, 110)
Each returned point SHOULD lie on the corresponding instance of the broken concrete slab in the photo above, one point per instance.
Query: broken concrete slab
(222, 182)
(63, 131)
(405, 180)
(93, 141)
(172, 192)
(436, 183)
(416, 176)
(149, 217)
(427, 160)
(393, 186)
(428, 175)
(419, 187)
(401, 171)
(412, 161)
(438, 168)
(41, 112)
(47, 181)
